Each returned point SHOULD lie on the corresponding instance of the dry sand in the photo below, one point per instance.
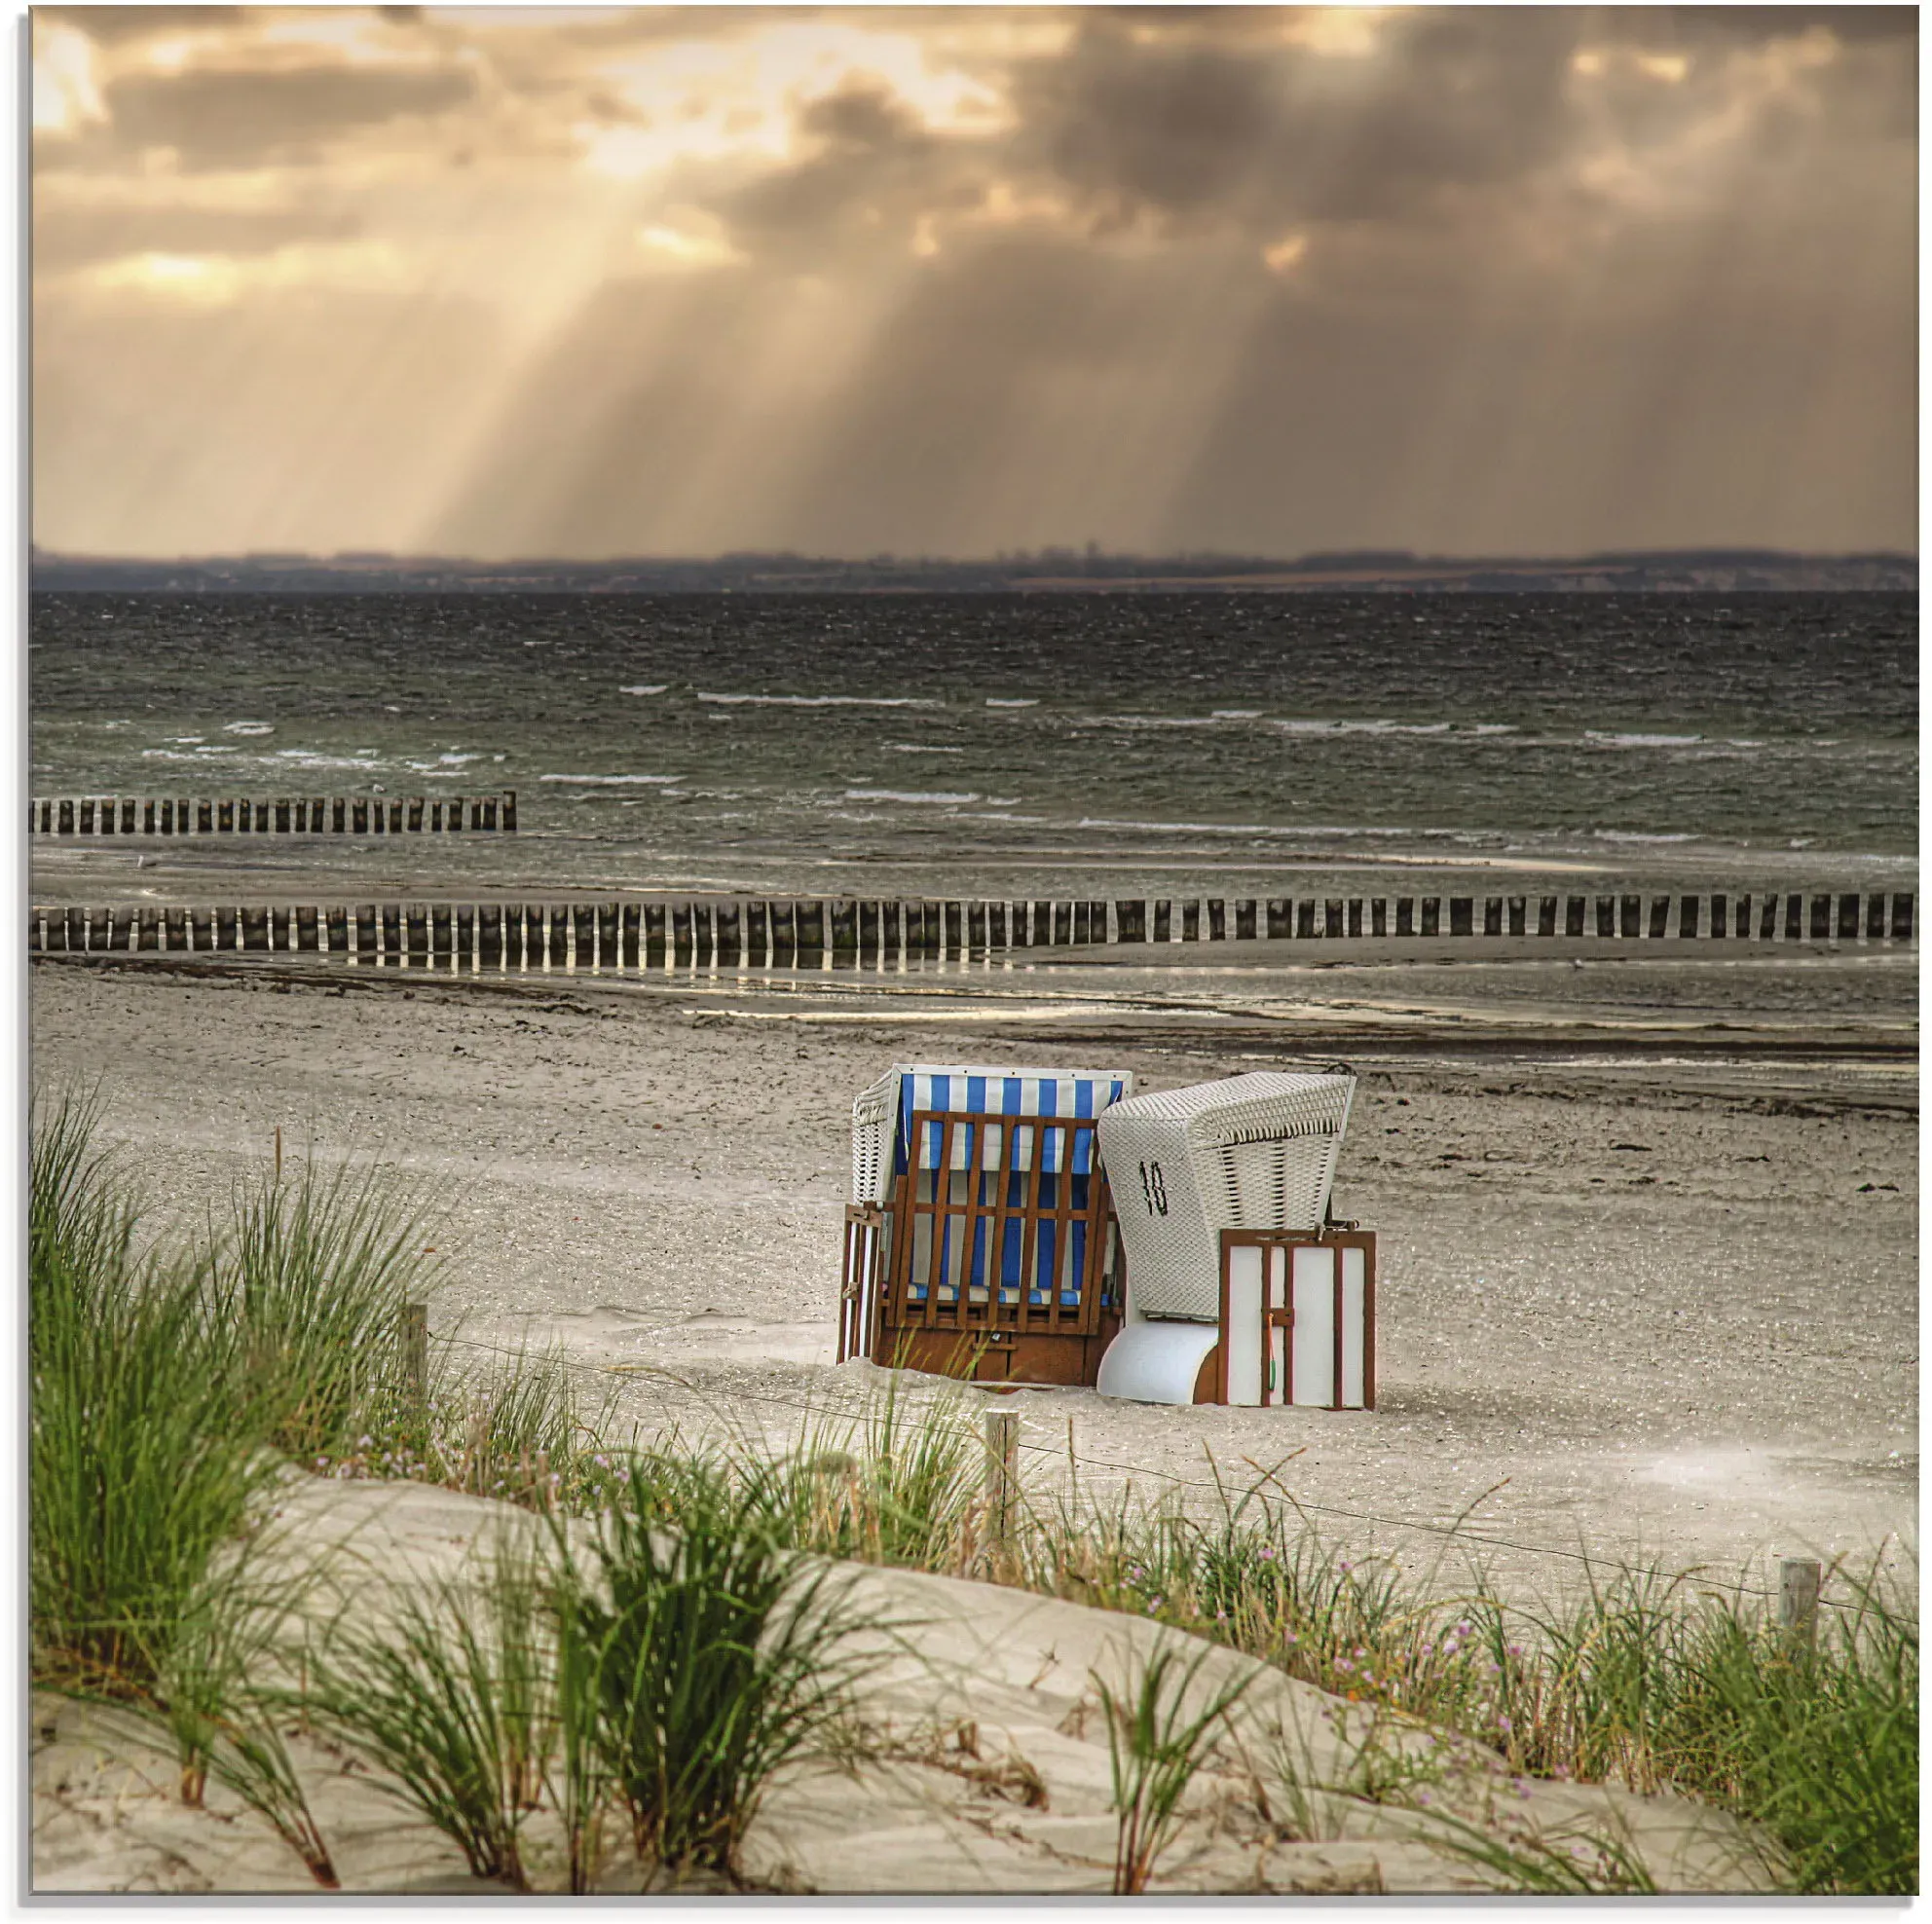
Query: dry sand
(1647, 1237)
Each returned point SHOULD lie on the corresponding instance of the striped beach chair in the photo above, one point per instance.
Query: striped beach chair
(978, 1239)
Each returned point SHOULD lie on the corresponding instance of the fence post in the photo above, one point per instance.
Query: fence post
(1002, 1479)
(1798, 1602)
(415, 1334)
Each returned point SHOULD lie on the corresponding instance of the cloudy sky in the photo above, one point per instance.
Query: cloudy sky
(579, 281)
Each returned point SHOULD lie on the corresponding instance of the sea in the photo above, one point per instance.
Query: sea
(1039, 743)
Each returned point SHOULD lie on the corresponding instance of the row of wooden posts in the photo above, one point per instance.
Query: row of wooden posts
(632, 934)
(283, 815)
(1799, 1580)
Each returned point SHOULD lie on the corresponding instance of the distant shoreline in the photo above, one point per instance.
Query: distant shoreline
(1694, 571)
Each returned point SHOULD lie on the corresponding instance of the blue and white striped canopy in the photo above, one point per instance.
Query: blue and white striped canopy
(1016, 1092)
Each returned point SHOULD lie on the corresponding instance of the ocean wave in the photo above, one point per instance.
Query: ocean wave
(249, 729)
(644, 688)
(1236, 715)
(1604, 739)
(997, 701)
(1633, 835)
(1301, 725)
(940, 796)
(824, 701)
(1261, 829)
(303, 757)
(922, 748)
(613, 781)
(1149, 720)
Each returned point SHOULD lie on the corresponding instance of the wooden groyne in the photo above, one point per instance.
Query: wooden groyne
(816, 932)
(279, 815)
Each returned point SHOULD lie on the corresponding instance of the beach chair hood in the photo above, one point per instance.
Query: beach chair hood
(1253, 1152)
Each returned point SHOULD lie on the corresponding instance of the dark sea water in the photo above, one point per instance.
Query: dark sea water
(775, 742)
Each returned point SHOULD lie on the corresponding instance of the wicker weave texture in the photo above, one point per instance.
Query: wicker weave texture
(1253, 1152)
(872, 1138)
(878, 1145)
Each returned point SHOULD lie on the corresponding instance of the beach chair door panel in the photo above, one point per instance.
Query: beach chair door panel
(861, 1281)
(1297, 1320)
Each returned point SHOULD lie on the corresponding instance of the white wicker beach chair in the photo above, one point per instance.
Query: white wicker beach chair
(1256, 1153)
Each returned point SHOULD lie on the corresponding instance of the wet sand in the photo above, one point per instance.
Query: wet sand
(1647, 1225)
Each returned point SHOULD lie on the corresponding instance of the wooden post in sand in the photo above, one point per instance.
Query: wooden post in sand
(414, 1332)
(1798, 1580)
(1002, 1478)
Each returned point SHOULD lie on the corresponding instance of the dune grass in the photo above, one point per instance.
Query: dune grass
(453, 1703)
(717, 1653)
(1156, 1744)
(142, 1450)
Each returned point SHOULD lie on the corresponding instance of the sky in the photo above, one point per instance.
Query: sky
(955, 280)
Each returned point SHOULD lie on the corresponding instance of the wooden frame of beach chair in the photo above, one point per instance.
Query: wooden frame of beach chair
(995, 1257)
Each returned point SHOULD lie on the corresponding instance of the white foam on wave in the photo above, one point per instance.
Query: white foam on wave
(1150, 721)
(1633, 835)
(997, 701)
(1258, 828)
(249, 729)
(1605, 739)
(613, 781)
(822, 701)
(1310, 725)
(922, 748)
(1236, 714)
(644, 688)
(305, 758)
(939, 796)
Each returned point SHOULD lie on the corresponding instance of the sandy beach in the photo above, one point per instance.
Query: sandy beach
(1648, 1257)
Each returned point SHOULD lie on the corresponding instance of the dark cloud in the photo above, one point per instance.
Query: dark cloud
(112, 25)
(1187, 127)
(870, 169)
(239, 118)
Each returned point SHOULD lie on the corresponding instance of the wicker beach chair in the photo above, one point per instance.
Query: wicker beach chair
(978, 1238)
(1238, 1286)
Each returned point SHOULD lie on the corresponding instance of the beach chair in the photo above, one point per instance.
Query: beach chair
(980, 1239)
(1239, 1288)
